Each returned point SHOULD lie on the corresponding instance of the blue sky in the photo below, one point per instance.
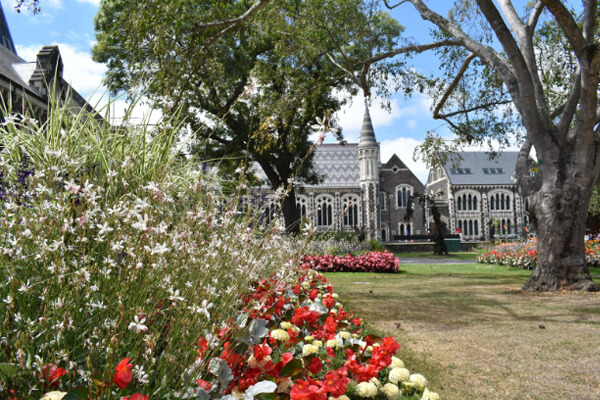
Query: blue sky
(69, 23)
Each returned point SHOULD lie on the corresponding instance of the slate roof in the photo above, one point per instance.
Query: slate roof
(337, 164)
(476, 168)
(9, 62)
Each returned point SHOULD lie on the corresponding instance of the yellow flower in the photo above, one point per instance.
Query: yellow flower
(309, 349)
(280, 334)
(418, 382)
(285, 325)
(309, 338)
(366, 389)
(333, 343)
(345, 335)
(390, 391)
(342, 397)
(318, 343)
(427, 395)
(53, 395)
(375, 382)
(398, 375)
(396, 363)
(335, 295)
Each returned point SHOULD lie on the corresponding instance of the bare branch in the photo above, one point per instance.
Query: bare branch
(453, 85)
(395, 5)
(465, 133)
(568, 25)
(479, 107)
(347, 71)
(589, 19)
(571, 105)
(417, 48)
(531, 109)
(535, 15)
(526, 184)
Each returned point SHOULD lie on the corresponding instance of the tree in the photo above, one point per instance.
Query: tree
(554, 100)
(250, 78)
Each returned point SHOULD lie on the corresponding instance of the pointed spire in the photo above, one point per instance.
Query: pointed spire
(5, 36)
(367, 134)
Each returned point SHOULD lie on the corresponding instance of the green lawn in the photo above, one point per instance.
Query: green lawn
(475, 335)
(451, 256)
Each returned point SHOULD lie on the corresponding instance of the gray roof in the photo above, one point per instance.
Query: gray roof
(337, 164)
(476, 168)
(367, 134)
(11, 66)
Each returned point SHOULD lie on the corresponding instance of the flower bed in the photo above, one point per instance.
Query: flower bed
(305, 345)
(524, 255)
(373, 261)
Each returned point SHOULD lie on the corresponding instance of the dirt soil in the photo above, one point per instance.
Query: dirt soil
(477, 338)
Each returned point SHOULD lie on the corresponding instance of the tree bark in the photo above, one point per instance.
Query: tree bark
(290, 213)
(558, 212)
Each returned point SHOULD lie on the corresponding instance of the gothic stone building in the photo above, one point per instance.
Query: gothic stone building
(478, 196)
(26, 87)
(357, 190)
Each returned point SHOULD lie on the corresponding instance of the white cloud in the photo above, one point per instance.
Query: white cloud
(404, 148)
(92, 2)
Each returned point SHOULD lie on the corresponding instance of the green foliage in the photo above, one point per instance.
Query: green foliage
(252, 95)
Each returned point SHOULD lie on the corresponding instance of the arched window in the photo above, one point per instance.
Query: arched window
(507, 202)
(402, 229)
(492, 203)
(324, 211)
(350, 210)
(498, 206)
(504, 227)
(460, 225)
(383, 236)
(408, 230)
(476, 227)
(301, 206)
(502, 201)
(271, 212)
(382, 197)
(403, 195)
(459, 203)
(508, 226)
(475, 203)
(470, 227)
(470, 202)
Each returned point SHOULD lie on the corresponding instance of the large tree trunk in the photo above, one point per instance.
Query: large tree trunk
(558, 213)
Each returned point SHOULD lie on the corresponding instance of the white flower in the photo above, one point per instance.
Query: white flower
(138, 325)
(398, 375)
(427, 395)
(204, 309)
(286, 325)
(366, 389)
(53, 395)
(375, 382)
(390, 391)
(342, 397)
(418, 381)
(396, 363)
(104, 228)
(333, 343)
(345, 334)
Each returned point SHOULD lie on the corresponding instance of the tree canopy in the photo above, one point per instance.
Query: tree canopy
(251, 78)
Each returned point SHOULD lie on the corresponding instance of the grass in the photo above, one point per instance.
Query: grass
(451, 256)
(475, 335)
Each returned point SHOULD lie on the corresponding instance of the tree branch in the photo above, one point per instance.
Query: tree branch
(571, 105)
(479, 107)
(530, 109)
(453, 85)
(256, 7)
(526, 184)
(589, 20)
(233, 23)
(395, 5)
(567, 24)
(417, 48)
(347, 71)
(535, 15)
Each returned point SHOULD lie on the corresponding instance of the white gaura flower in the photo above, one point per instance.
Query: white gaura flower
(138, 325)
(104, 228)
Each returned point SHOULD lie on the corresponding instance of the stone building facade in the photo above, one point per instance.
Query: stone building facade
(357, 191)
(477, 196)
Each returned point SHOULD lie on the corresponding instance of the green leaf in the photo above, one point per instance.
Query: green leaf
(78, 393)
(265, 396)
(7, 370)
(292, 367)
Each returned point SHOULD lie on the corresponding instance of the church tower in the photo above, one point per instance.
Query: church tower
(5, 36)
(368, 156)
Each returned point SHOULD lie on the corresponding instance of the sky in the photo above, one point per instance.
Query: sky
(70, 25)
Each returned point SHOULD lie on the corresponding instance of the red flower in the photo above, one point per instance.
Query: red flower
(336, 382)
(308, 390)
(123, 375)
(136, 396)
(51, 373)
(260, 352)
(204, 384)
(313, 294)
(315, 366)
(328, 301)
